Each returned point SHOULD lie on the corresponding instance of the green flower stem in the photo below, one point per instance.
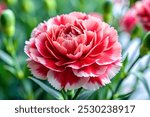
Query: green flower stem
(63, 93)
(70, 94)
(133, 63)
(19, 72)
(117, 88)
(77, 93)
(8, 44)
(147, 63)
(122, 79)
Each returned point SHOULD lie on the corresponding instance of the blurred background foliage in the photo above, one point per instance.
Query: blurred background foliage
(14, 74)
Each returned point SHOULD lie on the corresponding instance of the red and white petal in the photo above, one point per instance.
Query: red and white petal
(111, 55)
(98, 48)
(77, 54)
(113, 69)
(93, 70)
(50, 63)
(62, 20)
(34, 54)
(41, 46)
(65, 79)
(83, 62)
(78, 15)
(42, 27)
(59, 48)
(92, 24)
(96, 82)
(29, 44)
(38, 70)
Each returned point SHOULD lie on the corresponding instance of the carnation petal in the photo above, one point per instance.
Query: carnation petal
(78, 15)
(53, 52)
(50, 63)
(60, 48)
(93, 70)
(94, 24)
(41, 47)
(95, 82)
(83, 62)
(66, 80)
(111, 55)
(38, 69)
(63, 20)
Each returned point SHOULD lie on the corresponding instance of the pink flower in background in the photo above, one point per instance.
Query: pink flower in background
(2, 7)
(143, 13)
(129, 20)
(74, 50)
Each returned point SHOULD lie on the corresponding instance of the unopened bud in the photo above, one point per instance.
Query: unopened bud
(107, 7)
(132, 2)
(10, 2)
(50, 4)
(27, 5)
(7, 23)
(20, 74)
(107, 18)
(9, 31)
(136, 31)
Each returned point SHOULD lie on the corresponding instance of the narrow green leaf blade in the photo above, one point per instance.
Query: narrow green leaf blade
(141, 78)
(85, 95)
(10, 69)
(49, 90)
(125, 96)
(6, 58)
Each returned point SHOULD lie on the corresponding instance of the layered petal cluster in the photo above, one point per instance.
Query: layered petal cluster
(143, 13)
(129, 20)
(74, 50)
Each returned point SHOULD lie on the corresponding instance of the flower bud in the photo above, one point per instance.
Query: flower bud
(145, 47)
(107, 18)
(27, 6)
(7, 18)
(132, 2)
(9, 31)
(136, 32)
(50, 4)
(10, 2)
(7, 22)
(20, 74)
(107, 7)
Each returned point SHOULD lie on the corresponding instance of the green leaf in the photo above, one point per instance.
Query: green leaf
(85, 95)
(139, 75)
(54, 93)
(125, 96)
(100, 94)
(125, 63)
(10, 69)
(121, 74)
(6, 58)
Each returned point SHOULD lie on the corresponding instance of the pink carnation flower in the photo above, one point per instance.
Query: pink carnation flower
(143, 13)
(129, 20)
(74, 50)
(2, 7)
